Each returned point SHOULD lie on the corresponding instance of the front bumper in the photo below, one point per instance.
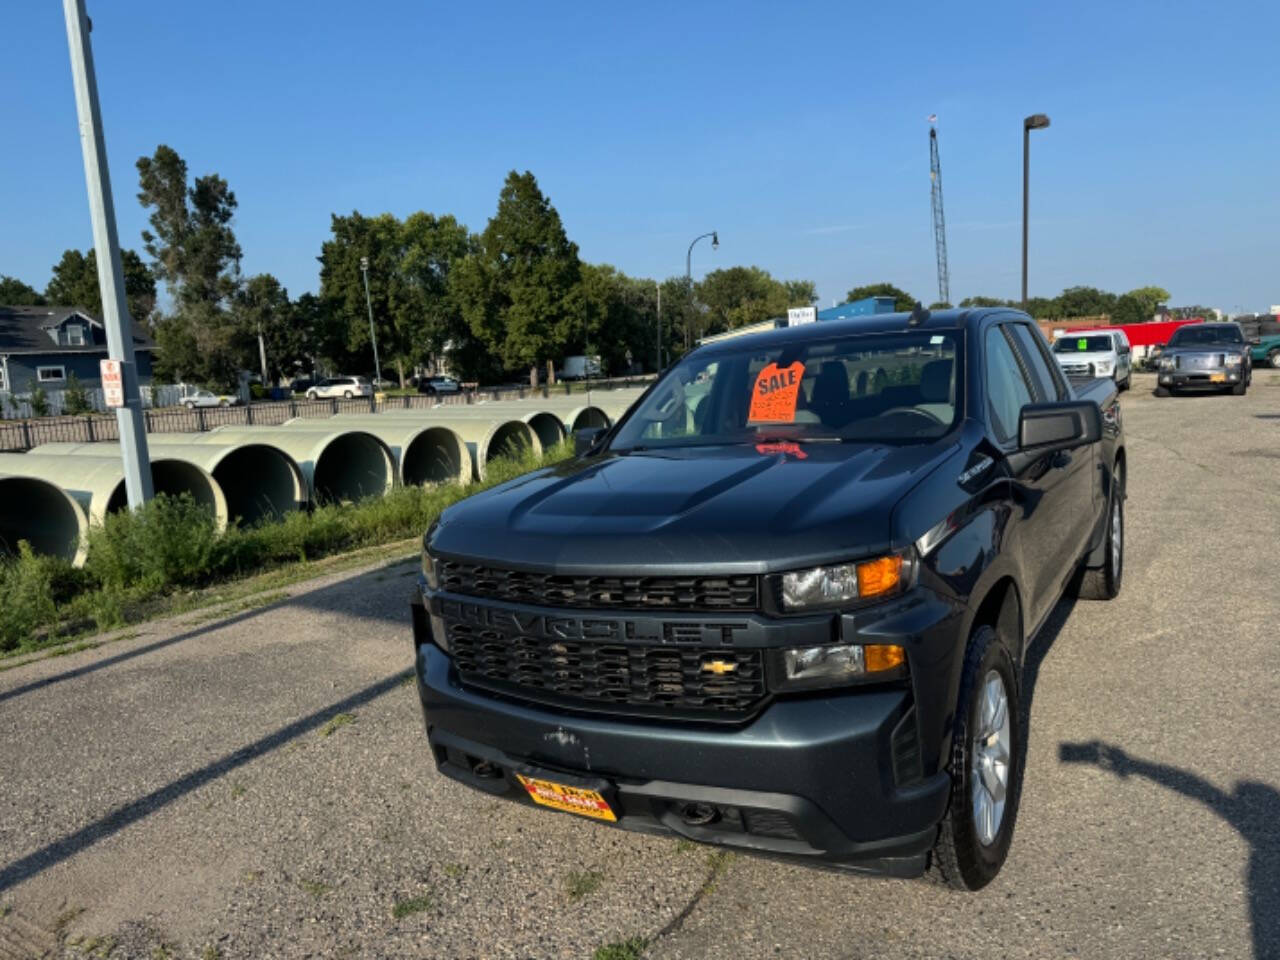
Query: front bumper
(1200, 380)
(817, 778)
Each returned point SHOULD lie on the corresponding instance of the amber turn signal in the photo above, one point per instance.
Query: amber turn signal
(879, 576)
(878, 657)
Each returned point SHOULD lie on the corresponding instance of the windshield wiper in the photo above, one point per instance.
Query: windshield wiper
(783, 439)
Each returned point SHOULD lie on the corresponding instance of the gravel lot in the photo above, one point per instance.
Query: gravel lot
(258, 785)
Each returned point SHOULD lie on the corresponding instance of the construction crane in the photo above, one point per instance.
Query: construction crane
(939, 221)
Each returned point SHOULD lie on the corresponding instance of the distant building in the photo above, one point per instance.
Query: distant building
(46, 345)
(866, 307)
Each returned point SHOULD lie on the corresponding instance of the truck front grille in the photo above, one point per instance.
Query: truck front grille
(1078, 369)
(607, 676)
(738, 593)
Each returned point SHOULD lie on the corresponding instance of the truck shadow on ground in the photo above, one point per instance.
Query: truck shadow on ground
(1251, 808)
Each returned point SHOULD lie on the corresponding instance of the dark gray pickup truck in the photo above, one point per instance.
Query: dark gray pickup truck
(783, 604)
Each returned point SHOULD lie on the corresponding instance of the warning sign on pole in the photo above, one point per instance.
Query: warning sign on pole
(112, 382)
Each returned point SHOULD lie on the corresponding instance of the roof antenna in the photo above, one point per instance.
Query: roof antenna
(918, 315)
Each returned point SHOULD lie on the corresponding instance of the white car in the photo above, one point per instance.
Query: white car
(343, 388)
(1096, 353)
(204, 398)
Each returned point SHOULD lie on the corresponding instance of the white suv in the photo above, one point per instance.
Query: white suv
(1096, 353)
(345, 388)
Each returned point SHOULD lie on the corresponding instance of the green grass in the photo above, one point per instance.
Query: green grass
(163, 558)
(315, 888)
(336, 722)
(581, 883)
(630, 949)
(404, 908)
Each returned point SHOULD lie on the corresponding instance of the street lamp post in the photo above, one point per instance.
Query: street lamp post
(1037, 121)
(688, 277)
(658, 369)
(373, 335)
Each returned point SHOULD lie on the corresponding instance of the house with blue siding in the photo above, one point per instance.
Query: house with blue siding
(44, 346)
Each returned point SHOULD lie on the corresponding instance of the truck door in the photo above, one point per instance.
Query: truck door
(1053, 511)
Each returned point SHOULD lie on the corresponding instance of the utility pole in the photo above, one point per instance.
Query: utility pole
(262, 355)
(373, 335)
(115, 311)
(1037, 121)
(689, 340)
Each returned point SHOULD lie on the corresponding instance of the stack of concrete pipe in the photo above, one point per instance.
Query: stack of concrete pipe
(258, 481)
(486, 436)
(94, 479)
(339, 465)
(42, 513)
(425, 452)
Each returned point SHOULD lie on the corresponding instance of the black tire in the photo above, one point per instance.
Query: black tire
(1105, 582)
(312, 395)
(963, 861)
(1273, 358)
(1163, 392)
(346, 395)
(189, 405)
(1240, 389)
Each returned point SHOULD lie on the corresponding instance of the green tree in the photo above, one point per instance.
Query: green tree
(1140, 305)
(519, 292)
(74, 398)
(433, 246)
(15, 293)
(262, 307)
(740, 296)
(194, 251)
(902, 300)
(985, 302)
(621, 316)
(940, 305)
(75, 283)
(1085, 302)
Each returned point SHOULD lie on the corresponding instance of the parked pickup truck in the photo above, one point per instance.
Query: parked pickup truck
(783, 604)
(1205, 356)
(1266, 350)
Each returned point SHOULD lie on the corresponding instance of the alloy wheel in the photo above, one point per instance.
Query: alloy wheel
(991, 759)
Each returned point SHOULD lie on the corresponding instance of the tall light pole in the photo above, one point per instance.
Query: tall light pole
(1037, 121)
(688, 277)
(115, 311)
(373, 334)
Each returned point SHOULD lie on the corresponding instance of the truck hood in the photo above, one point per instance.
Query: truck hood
(728, 508)
(1086, 356)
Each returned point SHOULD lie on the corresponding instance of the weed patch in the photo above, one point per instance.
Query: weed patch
(631, 949)
(336, 722)
(315, 888)
(404, 908)
(581, 883)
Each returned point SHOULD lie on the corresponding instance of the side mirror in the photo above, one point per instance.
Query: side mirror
(1045, 427)
(584, 440)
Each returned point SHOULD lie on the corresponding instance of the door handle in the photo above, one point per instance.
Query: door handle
(1061, 459)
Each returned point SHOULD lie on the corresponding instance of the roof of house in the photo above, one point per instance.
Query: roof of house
(23, 330)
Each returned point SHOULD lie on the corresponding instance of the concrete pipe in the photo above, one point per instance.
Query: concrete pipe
(546, 423)
(487, 437)
(339, 465)
(260, 481)
(44, 515)
(425, 452)
(572, 413)
(97, 482)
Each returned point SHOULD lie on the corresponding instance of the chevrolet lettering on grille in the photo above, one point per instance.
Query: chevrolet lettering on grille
(708, 633)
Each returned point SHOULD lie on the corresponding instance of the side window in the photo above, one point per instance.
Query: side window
(1046, 377)
(1007, 391)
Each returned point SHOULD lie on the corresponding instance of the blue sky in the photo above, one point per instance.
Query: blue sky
(797, 130)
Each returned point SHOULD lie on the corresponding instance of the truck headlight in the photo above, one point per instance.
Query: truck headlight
(808, 667)
(1166, 363)
(831, 586)
(1232, 359)
(1102, 368)
(430, 569)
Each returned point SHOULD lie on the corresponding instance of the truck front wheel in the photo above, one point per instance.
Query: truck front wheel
(986, 767)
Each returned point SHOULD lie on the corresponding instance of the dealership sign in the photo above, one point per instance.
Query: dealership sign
(799, 315)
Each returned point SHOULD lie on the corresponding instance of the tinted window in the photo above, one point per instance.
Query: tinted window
(1204, 334)
(1069, 343)
(1044, 377)
(892, 387)
(1007, 391)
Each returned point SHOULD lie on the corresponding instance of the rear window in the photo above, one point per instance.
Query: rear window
(1067, 343)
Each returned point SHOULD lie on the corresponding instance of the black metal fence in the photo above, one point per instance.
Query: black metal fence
(19, 435)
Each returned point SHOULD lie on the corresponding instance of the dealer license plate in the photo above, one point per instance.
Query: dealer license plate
(1217, 378)
(559, 796)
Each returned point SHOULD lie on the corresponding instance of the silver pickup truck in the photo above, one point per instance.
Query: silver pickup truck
(1104, 354)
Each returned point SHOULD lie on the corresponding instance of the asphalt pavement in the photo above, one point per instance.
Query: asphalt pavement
(258, 784)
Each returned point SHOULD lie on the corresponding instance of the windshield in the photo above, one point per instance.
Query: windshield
(897, 388)
(1202, 333)
(1071, 344)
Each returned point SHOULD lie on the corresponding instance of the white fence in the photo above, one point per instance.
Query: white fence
(17, 406)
